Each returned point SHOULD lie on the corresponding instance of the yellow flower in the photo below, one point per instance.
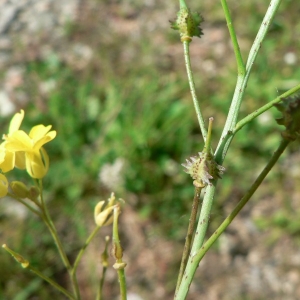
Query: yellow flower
(104, 216)
(9, 159)
(22, 150)
(3, 185)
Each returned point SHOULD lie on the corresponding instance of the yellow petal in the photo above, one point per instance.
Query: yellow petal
(3, 185)
(98, 208)
(18, 141)
(37, 163)
(39, 131)
(9, 162)
(47, 138)
(104, 217)
(16, 121)
(20, 160)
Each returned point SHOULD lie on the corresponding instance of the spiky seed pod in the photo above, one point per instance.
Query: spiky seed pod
(290, 108)
(188, 24)
(202, 169)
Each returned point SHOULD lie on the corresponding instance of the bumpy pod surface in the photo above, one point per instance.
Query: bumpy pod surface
(202, 169)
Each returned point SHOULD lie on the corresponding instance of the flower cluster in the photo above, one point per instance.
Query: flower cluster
(24, 151)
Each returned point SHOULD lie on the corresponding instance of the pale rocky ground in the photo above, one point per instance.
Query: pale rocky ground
(245, 266)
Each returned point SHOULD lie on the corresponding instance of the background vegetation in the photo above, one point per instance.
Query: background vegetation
(122, 108)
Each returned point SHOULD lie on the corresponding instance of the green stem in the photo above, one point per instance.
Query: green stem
(189, 236)
(26, 265)
(236, 47)
(87, 242)
(100, 288)
(52, 282)
(192, 88)
(241, 84)
(264, 108)
(48, 221)
(24, 203)
(198, 239)
(182, 4)
(186, 281)
(118, 253)
(122, 282)
(104, 259)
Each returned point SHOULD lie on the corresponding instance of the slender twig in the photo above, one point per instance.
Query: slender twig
(227, 139)
(101, 283)
(52, 282)
(48, 221)
(186, 281)
(189, 236)
(240, 64)
(26, 265)
(87, 242)
(264, 108)
(32, 209)
(118, 253)
(104, 258)
(192, 88)
(242, 82)
(223, 145)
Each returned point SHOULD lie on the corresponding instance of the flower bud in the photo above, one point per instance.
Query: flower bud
(19, 258)
(3, 185)
(19, 189)
(103, 214)
(34, 192)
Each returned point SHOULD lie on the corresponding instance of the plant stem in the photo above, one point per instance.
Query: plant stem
(186, 281)
(241, 84)
(52, 282)
(26, 265)
(118, 253)
(87, 242)
(48, 221)
(264, 108)
(24, 203)
(100, 287)
(182, 4)
(240, 64)
(189, 236)
(192, 88)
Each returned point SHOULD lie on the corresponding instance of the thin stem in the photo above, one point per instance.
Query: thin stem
(24, 203)
(264, 108)
(26, 265)
(189, 236)
(192, 88)
(104, 259)
(198, 239)
(87, 242)
(118, 253)
(230, 134)
(48, 221)
(101, 283)
(241, 84)
(236, 47)
(182, 4)
(52, 282)
(122, 282)
(184, 287)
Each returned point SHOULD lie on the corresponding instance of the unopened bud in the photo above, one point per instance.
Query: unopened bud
(19, 189)
(34, 192)
(19, 258)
